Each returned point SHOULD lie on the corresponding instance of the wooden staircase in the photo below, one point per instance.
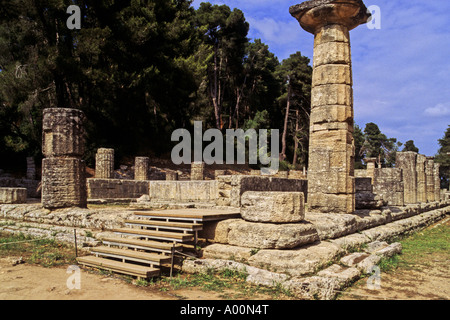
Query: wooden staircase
(149, 240)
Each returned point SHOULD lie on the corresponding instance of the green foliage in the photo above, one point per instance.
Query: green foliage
(409, 146)
(443, 157)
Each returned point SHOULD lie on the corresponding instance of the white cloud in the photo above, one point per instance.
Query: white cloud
(439, 110)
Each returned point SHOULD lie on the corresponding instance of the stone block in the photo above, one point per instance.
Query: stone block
(326, 114)
(331, 53)
(63, 183)
(331, 203)
(421, 179)
(63, 132)
(332, 74)
(332, 33)
(407, 161)
(275, 207)
(332, 94)
(271, 236)
(141, 168)
(197, 171)
(13, 195)
(104, 163)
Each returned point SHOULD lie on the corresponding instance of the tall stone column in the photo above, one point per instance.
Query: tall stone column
(429, 171)
(407, 161)
(437, 182)
(63, 170)
(421, 179)
(104, 163)
(141, 168)
(331, 183)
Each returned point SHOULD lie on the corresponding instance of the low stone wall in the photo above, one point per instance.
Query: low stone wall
(13, 195)
(231, 188)
(116, 189)
(32, 186)
(183, 191)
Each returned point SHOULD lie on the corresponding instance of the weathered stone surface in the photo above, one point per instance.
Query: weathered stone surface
(184, 191)
(297, 262)
(353, 258)
(388, 183)
(331, 186)
(389, 251)
(227, 252)
(217, 231)
(271, 236)
(141, 168)
(63, 183)
(13, 195)
(313, 288)
(344, 275)
(331, 226)
(104, 163)
(31, 168)
(421, 178)
(437, 182)
(275, 207)
(197, 171)
(407, 161)
(374, 246)
(63, 132)
(429, 171)
(116, 189)
(367, 265)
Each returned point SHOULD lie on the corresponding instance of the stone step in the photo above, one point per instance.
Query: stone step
(153, 259)
(155, 235)
(119, 267)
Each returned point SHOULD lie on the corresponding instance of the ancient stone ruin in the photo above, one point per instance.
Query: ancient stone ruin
(312, 233)
(63, 170)
(331, 185)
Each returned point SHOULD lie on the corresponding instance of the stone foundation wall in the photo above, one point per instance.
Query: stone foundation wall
(231, 188)
(183, 191)
(13, 195)
(116, 189)
(32, 186)
(388, 183)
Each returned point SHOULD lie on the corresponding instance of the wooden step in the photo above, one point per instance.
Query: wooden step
(147, 245)
(153, 259)
(119, 267)
(193, 215)
(159, 235)
(157, 224)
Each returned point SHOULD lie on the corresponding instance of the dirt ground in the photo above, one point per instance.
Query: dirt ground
(30, 282)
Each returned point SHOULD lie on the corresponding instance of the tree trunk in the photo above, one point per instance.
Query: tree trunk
(294, 161)
(286, 119)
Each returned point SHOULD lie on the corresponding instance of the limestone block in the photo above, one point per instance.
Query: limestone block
(334, 181)
(104, 163)
(429, 171)
(407, 161)
(332, 113)
(298, 262)
(353, 258)
(63, 183)
(331, 53)
(271, 236)
(141, 168)
(344, 275)
(437, 182)
(63, 132)
(332, 74)
(332, 94)
(171, 175)
(275, 207)
(332, 33)
(13, 195)
(421, 178)
(197, 171)
(227, 252)
(336, 203)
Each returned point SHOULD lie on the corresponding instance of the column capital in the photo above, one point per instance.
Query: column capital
(315, 14)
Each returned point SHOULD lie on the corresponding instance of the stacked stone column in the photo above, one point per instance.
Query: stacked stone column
(437, 182)
(371, 166)
(331, 184)
(421, 178)
(429, 171)
(104, 164)
(197, 171)
(63, 170)
(407, 161)
(141, 168)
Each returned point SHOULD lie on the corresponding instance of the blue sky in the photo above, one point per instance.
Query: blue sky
(401, 72)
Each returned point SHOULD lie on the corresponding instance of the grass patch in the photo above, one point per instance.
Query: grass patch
(44, 252)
